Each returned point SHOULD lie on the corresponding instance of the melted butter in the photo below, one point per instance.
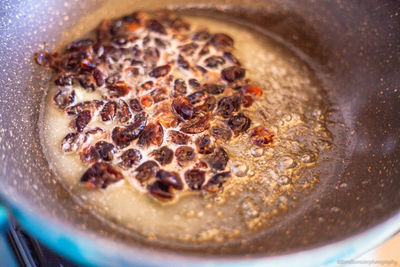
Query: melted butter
(292, 107)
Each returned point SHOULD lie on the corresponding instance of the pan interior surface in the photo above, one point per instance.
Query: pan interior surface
(359, 77)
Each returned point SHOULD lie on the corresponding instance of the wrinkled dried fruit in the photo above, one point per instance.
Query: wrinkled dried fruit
(101, 175)
(251, 90)
(168, 119)
(119, 89)
(146, 171)
(222, 42)
(208, 105)
(159, 94)
(214, 61)
(135, 105)
(160, 71)
(183, 107)
(195, 178)
(160, 191)
(260, 136)
(222, 133)
(231, 58)
(183, 63)
(129, 158)
(64, 97)
(184, 154)
(239, 123)
(226, 107)
(163, 155)
(147, 85)
(195, 84)
(178, 138)
(188, 49)
(197, 125)
(233, 73)
(171, 179)
(155, 26)
(89, 155)
(146, 101)
(105, 150)
(71, 142)
(179, 88)
(82, 120)
(219, 159)
(201, 35)
(108, 111)
(246, 101)
(123, 136)
(98, 77)
(152, 134)
(216, 181)
(196, 97)
(204, 144)
(213, 88)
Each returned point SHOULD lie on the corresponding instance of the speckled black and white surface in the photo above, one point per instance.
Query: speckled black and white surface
(357, 44)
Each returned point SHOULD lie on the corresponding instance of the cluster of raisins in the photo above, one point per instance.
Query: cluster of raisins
(178, 124)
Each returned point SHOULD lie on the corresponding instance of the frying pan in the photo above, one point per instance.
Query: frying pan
(356, 44)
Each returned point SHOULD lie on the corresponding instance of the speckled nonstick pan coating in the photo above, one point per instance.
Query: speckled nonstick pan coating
(357, 43)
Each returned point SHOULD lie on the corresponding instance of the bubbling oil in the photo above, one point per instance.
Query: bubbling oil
(265, 180)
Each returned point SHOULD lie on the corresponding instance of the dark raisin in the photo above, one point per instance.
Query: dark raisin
(246, 100)
(160, 71)
(222, 42)
(122, 137)
(179, 25)
(64, 97)
(155, 26)
(231, 58)
(197, 125)
(98, 77)
(82, 120)
(195, 178)
(260, 136)
(216, 181)
(200, 68)
(204, 144)
(233, 73)
(146, 40)
(129, 158)
(152, 134)
(239, 123)
(146, 171)
(222, 133)
(108, 111)
(201, 35)
(105, 149)
(160, 191)
(87, 82)
(188, 49)
(135, 62)
(147, 85)
(86, 105)
(214, 61)
(90, 155)
(101, 175)
(219, 159)
(204, 50)
(208, 104)
(225, 107)
(119, 89)
(184, 154)
(171, 179)
(44, 59)
(112, 79)
(163, 155)
(213, 88)
(196, 97)
(64, 79)
(178, 138)
(93, 132)
(183, 107)
(180, 88)
(146, 101)
(135, 105)
(71, 142)
(183, 63)
(200, 165)
(195, 84)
